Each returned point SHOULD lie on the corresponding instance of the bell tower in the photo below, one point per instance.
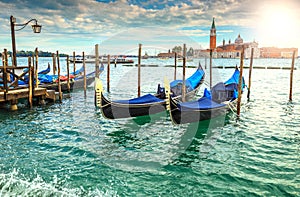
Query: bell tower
(213, 36)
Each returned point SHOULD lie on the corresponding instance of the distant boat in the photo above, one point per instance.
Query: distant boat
(146, 56)
(188, 59)
(163, 58)
(117, 60)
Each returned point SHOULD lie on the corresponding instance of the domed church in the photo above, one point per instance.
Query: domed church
(229, 50)
(239, 40)
(233, 50)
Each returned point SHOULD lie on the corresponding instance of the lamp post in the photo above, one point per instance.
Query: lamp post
(36, 29)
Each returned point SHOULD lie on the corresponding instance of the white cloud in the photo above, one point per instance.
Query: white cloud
(97, 21)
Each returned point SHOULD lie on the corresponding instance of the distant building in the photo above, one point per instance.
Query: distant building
(233, 50)
(230, 50)
(166, 55)
(213, 36)
(274, 52)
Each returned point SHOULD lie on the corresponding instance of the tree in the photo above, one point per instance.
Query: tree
(190, 52)
(177, 49)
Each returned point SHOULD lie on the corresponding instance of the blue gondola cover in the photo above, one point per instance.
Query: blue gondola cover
(203, 103)
(235, 78)
(148, 98)
(195, 78)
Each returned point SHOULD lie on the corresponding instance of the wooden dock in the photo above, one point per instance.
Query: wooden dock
(39, 95)
(13, 95)
(11, 92)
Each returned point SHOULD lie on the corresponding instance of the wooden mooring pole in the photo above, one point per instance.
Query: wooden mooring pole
(250, 74)
(210, 69)
(84, 75)
(139, 70)
(183, 73)
(58, 75)
(30, 83)
(68, 73)
(5, 64)
(74, 62)
(175, 66)
(36, 68)
(240, 82)
(53, 63)
(97, 72)
(291, 77)
(108, 72)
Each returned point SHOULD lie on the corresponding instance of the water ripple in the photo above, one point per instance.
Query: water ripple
(69, 149)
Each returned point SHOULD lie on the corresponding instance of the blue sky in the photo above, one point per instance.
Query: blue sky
(118, 26)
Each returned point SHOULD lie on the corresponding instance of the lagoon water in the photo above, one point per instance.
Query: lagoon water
(69, 149)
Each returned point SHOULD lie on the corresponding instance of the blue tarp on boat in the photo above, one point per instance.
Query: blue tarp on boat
(46, 71)
(235, 78)
(212, 99)
(192, 82)
(196, 78)
(77, 72)
(148, 98)
(176, 86)
(207, 93)
(227, 91)
(203, 103)
(44, 78)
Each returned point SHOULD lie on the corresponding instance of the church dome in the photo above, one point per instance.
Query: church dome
(239, 40)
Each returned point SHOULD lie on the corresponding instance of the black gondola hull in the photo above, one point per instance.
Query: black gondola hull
(113, 110)
(74, 84)
(189, 116)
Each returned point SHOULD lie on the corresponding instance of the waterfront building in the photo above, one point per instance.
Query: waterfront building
(229, 50)
(213, 36)
(274, 52)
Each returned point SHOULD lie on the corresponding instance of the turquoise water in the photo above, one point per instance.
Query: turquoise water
(69, 149)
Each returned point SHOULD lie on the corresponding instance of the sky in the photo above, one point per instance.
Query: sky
(119, 26)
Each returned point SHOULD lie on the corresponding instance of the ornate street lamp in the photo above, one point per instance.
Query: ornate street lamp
(36, 29)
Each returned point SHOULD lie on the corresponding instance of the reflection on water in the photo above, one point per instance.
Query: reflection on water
(69, 149)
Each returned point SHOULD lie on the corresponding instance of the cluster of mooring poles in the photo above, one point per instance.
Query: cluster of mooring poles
(11, 91)
(139, 71)
(240, 84)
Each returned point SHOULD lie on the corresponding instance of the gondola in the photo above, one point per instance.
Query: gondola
(212, 104)
(150, 103)
(76, 81)
(25, 80)
(46, 71)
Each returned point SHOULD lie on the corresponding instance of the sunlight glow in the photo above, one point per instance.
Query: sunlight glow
(277, 25)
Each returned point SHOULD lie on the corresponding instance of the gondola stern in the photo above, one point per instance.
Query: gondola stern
(98, 92)
(105, 107)
(174, 112)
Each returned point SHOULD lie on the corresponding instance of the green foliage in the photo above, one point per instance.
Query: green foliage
(177, 49)
(23, 53)
(190, 52)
